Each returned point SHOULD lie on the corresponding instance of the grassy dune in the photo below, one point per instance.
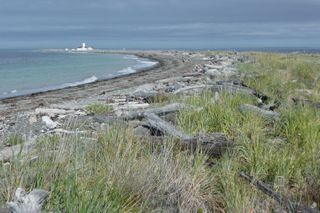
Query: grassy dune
(119, 172)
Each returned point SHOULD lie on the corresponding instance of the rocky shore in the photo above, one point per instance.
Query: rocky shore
(176, 73)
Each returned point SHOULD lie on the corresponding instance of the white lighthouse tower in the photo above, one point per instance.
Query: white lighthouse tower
(84, 48)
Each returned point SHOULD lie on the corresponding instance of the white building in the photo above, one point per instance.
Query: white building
(83, 48)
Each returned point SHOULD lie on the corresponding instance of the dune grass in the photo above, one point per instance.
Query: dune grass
(98, 108)
(119, 172)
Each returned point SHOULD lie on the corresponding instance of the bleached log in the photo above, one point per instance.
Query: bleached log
(131, 115)
(269, 115)
(51, 112)
(50, 124)
(67, 132)
(130, 106)
(31, 203)
(165, 127)
(195, 88)
(170, 108)
(213, 144)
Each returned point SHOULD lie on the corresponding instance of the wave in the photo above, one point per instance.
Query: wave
(10, 92)
(85, 81)
(127, 70)
(148, 63)
(131, 57)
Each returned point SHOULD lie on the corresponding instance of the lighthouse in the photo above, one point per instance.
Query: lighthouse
(83, 48)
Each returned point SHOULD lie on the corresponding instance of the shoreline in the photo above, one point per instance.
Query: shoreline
(76, 83)
(166, 63)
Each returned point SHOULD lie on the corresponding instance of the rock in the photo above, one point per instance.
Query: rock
(49, 122)
(32, 119)
(141, 131)
(31, 203)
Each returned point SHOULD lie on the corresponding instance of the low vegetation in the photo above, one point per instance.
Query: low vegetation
(120, 172)
(98, 108)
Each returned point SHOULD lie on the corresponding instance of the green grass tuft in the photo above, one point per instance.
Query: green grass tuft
(98, 108)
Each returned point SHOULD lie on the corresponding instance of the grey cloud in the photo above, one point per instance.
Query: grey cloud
(210, 22)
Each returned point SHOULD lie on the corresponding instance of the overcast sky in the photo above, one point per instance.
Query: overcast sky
(160, 23)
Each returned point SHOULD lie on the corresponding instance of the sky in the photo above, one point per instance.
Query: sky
(160, 24)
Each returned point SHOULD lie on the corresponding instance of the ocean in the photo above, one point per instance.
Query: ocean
(29, 71)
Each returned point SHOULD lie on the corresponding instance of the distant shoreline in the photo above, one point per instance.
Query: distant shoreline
(167, 65)
(33, 92)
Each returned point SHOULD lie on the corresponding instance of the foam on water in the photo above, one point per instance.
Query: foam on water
(127, 70)
(85, 81)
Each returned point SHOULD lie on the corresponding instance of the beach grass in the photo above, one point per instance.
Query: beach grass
(117, 171)
(98, 108)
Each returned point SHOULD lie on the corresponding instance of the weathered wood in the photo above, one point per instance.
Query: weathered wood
(31, 203)
(194, 89)
(232, 89)
(165, 127)
(284, 202)
(50, 124)
(242, 85)
(132, 115)
(213, 144)
(7, 153)
(170, 108)
(129, 106)
(306, 102)
(269, 115)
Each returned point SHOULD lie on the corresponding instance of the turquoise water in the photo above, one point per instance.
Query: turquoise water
(26, 71)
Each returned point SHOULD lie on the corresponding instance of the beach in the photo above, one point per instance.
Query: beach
(221, 114)
(170, 65)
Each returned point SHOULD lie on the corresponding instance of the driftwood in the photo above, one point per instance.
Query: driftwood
(269, 115)
(306, 102)
(244, 88)
(194, 88)
(50, 124)
(132, 115)
(232, 87)
(282, 201)
(31, 203)
(7, 153)
(213, 144)
(157, 123)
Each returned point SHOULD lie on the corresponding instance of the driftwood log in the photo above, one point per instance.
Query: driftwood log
(282, 201)
(28, 203)
(267, 114)
(213, 144)
(132, 115)
(241, 84)
(157, 123)
(306, 102)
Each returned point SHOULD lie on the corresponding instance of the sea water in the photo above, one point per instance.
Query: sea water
(29, 71)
